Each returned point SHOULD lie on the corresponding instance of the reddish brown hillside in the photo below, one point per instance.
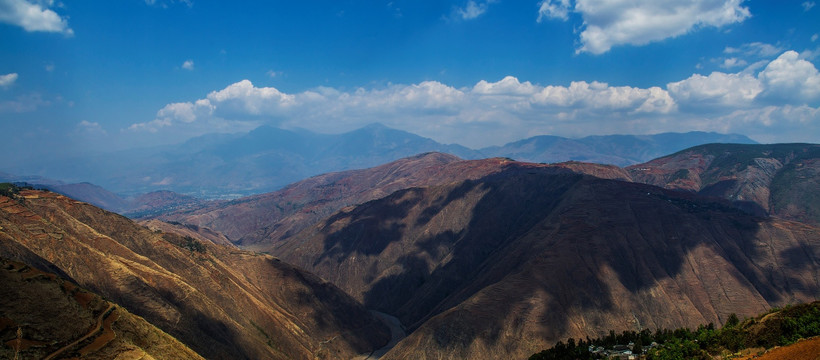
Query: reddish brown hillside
(505, 265)
(222, 302)
(188, 230)
(258, 222)
(43, 316)
(778, 179)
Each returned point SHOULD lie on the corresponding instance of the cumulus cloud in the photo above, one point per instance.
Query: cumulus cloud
(807, 5)
(188, 65)
(770, 103)
(609, 23)
(34, 16)
(733, 90)
(791, 78)
(7, 80)
(601, 96)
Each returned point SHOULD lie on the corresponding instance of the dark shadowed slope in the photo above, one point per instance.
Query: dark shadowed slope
(778, 179)
(258, 222)
(505, 265)
(222, 302)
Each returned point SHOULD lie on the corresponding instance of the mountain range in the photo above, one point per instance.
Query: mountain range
(487, 258)
(267, 158)
(447, 244)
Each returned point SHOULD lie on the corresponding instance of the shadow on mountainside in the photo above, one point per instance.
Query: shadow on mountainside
(570, 239)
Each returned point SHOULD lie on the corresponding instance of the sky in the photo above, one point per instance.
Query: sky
(92, 75)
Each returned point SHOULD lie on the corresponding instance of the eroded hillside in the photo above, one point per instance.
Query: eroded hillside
(500, 266)
(224, 303)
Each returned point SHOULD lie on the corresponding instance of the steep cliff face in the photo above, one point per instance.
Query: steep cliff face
(504, 265)
(778, 179)
(222, 302)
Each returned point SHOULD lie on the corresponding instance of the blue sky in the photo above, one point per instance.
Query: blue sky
(81, 76)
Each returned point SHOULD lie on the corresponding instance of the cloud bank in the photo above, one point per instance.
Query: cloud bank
(778, 103)
(608, 23)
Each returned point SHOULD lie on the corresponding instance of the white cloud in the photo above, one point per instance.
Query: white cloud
(814, 37)
(495, 112)
(188, 65)
(601, 96)
(33, 16)
(273, 74)
(472, 9)
(790, 78)
(554, 9)
(8, 79)
(735, 90)
(609, 23)
(807, 5)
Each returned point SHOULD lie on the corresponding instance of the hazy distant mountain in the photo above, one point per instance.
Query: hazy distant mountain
(621, 150)
(266, 159)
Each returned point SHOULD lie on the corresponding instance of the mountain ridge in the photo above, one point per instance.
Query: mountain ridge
(465, 265)
(225, 166)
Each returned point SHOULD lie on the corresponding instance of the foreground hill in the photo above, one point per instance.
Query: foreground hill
(505, 265)
(45, 316)
(221, 302)
(777, 179)
(258, 222)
